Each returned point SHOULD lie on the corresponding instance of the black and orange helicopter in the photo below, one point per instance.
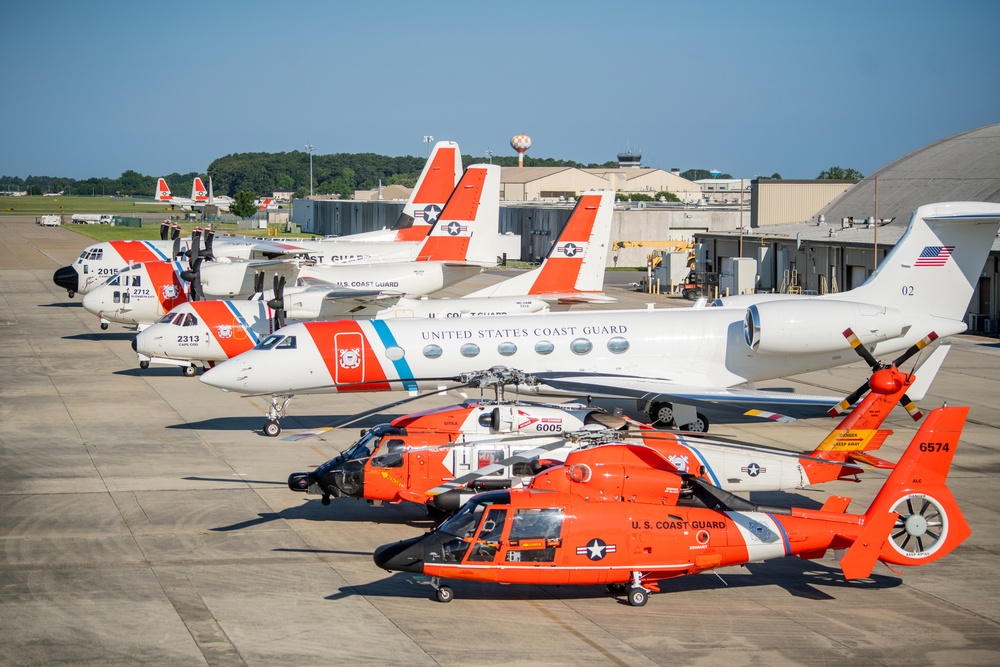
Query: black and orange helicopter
(612, 515)
(442, 457)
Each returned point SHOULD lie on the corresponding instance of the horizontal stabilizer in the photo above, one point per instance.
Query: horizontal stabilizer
(868, 459)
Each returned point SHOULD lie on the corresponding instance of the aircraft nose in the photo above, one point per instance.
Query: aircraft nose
(135, 345)
(405, 556)
(67, 278)
(92, 301)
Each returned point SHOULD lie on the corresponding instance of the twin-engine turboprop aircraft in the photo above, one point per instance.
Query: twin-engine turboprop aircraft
(203, 333)
(440, 175)
(442, 457)
(660, 357)
(612, 515)
(139, 294)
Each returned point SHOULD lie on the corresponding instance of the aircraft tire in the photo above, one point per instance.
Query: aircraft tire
(143, 365)
(70, 293)
(661, 415)
(637, 596)
(272, 428)
(444, 594)
(104, 326)
(189, 371)
(699, 425)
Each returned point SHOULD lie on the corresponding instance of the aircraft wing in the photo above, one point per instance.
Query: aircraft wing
(578, 297)
(664, 389)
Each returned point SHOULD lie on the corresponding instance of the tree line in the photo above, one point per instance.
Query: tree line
(337, 173)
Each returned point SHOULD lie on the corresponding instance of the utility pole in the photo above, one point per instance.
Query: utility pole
(310, 148)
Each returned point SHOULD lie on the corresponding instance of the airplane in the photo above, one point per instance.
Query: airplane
(163, 197)
(573, 271)
(442, 457)
(611, 515)
(666, 359)
(437, 180)
(328, 290)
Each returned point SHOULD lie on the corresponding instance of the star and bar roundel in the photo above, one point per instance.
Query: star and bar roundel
(596, 549)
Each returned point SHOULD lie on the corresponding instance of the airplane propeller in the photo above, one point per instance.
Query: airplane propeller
(258, 287)
(277, 304)
(880, 382)
(165, 230)
(175, 232)
(193, 273)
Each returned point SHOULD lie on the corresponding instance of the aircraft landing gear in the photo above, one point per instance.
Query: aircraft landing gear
(70, 293)
(442, 592)
(104, 326)
(187, 371)
(143, 365)
(325, 500)
(699, 425)
(638, 594)
(662, 415)
(271, 427)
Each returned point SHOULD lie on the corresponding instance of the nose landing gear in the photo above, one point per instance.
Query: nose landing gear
(271, 427)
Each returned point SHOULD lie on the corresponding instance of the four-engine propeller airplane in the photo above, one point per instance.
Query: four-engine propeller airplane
(611, 515)
(141, 294)
(441, 457)
(661, 357)
(224, 329)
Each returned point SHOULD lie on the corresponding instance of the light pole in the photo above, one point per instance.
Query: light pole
(310, 148)
(490, 153)
(428, 138)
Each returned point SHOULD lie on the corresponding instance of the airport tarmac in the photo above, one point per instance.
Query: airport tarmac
(144, 519)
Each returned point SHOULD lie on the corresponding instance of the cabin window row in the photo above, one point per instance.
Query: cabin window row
(579, 346)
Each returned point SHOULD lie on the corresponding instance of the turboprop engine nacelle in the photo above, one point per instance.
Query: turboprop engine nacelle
(796, 326)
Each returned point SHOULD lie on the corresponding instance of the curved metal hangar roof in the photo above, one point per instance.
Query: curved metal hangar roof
(965, 167)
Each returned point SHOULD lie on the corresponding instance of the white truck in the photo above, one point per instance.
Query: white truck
(48, 220)
(92, 219)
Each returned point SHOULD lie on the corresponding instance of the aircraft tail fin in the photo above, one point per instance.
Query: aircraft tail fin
(937, 261)
(162, 190)
(914, 519)
(574, 267)
(438, 179)
(198, 190)
(468, 223)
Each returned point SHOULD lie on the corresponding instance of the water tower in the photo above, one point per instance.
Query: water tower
(520, 143)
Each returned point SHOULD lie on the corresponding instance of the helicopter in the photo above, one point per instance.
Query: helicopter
(442, 457)
(612, 515)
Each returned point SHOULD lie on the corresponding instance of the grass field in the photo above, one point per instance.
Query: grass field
(36, 205)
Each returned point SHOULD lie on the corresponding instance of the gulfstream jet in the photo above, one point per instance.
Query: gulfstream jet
(676, 356)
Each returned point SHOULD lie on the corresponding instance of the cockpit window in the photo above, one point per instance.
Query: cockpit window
(268, 342)
(288, 343)
(464, 523)
(189, 320)
(391, 454)
(167, 319)
(115, 280)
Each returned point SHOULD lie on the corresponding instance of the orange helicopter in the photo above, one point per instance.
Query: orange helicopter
(444, 456)
(611, 515)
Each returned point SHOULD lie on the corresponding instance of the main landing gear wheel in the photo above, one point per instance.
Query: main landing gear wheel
(661, 414)
(70, 293)
(699, 425)
(143, 365)
(189, 371)
(637, 596)
(104, 326)
(444, 594)
(272, 428)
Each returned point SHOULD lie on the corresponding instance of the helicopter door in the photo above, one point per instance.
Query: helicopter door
(349, 350)
(487, 545)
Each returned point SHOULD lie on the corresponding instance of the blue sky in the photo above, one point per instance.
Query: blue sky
(95, 88)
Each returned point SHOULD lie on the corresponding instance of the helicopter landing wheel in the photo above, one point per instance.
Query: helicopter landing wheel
(444, 594)
(637, 596)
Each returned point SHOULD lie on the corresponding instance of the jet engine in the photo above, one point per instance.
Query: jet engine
(797, 326)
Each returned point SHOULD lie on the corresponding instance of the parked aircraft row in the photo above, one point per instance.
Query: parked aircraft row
(585, 499)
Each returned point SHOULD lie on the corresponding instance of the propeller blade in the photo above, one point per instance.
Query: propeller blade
(209, 237)
(175, 253)
(850, 400)
(916, 347)
(175, 231)
(861, 349)
(911, 407)
(164, 230)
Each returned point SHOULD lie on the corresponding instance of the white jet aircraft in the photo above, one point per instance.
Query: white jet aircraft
(204, 333)
(669, 358)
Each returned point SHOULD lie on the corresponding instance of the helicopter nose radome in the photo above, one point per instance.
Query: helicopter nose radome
(67, 278)
(135, 345)
(405, 556)
(299, 481)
